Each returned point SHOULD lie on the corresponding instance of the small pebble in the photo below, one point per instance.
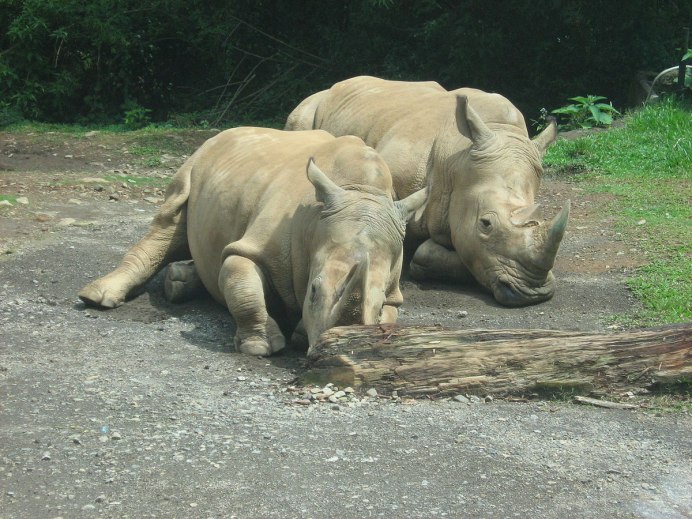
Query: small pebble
(46, 456)
(462, 399)
(372, 392)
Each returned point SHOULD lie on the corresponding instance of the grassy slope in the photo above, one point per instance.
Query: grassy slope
(647, 165)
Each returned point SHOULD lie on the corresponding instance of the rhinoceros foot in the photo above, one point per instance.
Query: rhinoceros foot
(261, 346)
(181, 282)
(104, 292)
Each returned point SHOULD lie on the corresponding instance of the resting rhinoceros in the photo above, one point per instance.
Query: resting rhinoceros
(256, 229)
(473, 151)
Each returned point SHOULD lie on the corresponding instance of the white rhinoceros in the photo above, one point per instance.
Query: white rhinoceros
(480, 166)
(257, 231)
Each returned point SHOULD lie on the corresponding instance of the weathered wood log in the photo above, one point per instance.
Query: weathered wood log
(425, 360)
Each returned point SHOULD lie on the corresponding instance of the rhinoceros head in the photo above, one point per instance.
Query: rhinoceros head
(495, 226)
(356, 264)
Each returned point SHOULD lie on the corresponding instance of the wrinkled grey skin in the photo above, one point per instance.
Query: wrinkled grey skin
(327, 247)
(473, 152)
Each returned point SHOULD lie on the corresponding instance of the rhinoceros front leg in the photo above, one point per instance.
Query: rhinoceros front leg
(299, 337)
(242, 283)
(433, 261)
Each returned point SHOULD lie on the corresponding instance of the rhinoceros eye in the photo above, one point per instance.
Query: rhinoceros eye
(486, 225)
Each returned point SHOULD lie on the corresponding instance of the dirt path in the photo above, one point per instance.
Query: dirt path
(143, 411)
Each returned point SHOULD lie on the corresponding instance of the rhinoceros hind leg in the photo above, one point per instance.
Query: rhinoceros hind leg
(433, 261)
(242, 284)
(181, 282)
(108, 292)
(165, 241)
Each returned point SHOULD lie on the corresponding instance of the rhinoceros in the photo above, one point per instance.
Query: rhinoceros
(472, 150)
(259, 230)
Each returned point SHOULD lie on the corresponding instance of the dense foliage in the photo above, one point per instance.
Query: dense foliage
(97, 60)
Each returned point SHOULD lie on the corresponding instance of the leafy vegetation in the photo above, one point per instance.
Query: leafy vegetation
(211, 62)
(647, 166)
(586, 112)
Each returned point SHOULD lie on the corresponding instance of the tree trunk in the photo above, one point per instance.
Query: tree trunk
(425, 360)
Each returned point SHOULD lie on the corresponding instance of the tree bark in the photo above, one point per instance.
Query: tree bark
(425, 360)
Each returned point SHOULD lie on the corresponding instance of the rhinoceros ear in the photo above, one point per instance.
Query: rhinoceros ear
(326, 191)
(412, 203)
(470, 123)
(544, 139)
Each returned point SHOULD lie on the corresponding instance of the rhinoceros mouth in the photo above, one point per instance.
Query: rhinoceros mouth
(510, 293)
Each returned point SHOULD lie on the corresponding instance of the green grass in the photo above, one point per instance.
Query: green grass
(9, 198)
(647, 167)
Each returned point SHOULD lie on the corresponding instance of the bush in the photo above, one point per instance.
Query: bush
(70, 60)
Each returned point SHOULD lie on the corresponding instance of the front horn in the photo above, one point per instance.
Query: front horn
(553, 236)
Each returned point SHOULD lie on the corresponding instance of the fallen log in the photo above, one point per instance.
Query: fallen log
(430, 360)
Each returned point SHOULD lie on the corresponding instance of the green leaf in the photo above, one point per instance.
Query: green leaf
(567, 110)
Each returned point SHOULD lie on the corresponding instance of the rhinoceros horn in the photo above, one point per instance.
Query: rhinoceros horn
(470, 123)
(369, 304)
(544, 256)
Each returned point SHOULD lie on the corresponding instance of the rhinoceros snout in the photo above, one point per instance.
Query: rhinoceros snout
(508, 295)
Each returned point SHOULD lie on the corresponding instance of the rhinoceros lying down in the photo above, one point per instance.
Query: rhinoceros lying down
(326, 246)
(473, 151)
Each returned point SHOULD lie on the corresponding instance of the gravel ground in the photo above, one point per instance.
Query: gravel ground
(144, 411)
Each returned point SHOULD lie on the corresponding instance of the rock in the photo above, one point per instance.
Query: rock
(474, 399)
(372, 392)
(153, 200)
(66, 222)
(462, 399)
(641, 222)
(46, 456)
(488, 399)
(116, 436)
(339, 394)
(22, 200)
(326, 391)
(88, 507)
(462, 314)
(5, 203)
(93, 180)
(91, 133)
(101, 498)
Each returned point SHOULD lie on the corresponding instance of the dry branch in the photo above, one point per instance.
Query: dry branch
(416, 360)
